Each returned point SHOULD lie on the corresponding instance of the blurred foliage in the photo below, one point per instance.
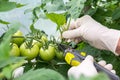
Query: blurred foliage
(107, 12)
(5, 5)
(8, 63)
(4, 22)
(100, 76)
(43, 74)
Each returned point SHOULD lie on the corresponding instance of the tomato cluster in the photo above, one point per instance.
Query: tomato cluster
(36, 47)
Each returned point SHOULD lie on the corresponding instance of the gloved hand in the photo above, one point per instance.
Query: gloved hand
(87, 68)
(97, 35)
(18, 72)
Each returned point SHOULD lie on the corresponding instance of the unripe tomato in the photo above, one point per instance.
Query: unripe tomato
(15, 50)
(39, 44)
(18, 38)
(59, 55)
(47, 54)
(44, 38)
(29, 53)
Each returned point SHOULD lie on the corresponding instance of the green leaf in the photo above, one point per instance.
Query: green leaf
(100, 76)
(19, 5)
(6, 6)
(41, 74)
(10, 60)
(91, 11)
(7, 71)
(54, 5)
(59, 19)
(4, 49)
(116, 13)
(75, 7)
(5, 44)
(4, 22)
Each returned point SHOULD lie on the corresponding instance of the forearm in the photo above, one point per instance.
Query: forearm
(118, 47)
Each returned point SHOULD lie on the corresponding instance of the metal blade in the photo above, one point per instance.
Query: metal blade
(63, 47)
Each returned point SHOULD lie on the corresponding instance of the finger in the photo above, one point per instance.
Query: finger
(108, 66)
(87, 66)
(88, 61)
(72, 25)
(102, 63)
(90, 58)
(71, 33)
(82, 20)
(113, 71)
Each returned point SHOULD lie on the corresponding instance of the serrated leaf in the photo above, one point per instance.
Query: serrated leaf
(116, 14)
(59, 19)
(75, 7)
(6, 6)
(41, 74)
(4, 22)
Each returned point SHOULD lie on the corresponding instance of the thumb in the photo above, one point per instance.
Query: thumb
(87, 66)
(72, 33)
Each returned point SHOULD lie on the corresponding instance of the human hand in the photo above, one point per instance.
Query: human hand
(87, 68)
(97, 35)
(18, 72)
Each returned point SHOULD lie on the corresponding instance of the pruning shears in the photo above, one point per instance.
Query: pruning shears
(74, 57)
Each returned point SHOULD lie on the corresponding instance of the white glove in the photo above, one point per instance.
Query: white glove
(18, 72)
(87, 68)
(94, 33)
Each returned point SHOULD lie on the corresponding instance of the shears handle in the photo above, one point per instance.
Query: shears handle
(109, 73)
(79, 58)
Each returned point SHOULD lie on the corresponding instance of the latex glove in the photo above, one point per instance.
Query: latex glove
(18, 72)
(94, 33)
(87, 68)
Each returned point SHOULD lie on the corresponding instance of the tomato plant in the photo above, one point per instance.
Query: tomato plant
(29, 52)
(47, 54)
(106, 12)
(44, 39)
(59, 54)
(39, 44)
(15, 51)
(18, 38)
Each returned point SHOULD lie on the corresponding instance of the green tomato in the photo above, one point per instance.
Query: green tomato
(47, 54)
(15, 50)
(44, 38)
(59, 55)
(39, 44)
(29, 53)
(18, 38)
